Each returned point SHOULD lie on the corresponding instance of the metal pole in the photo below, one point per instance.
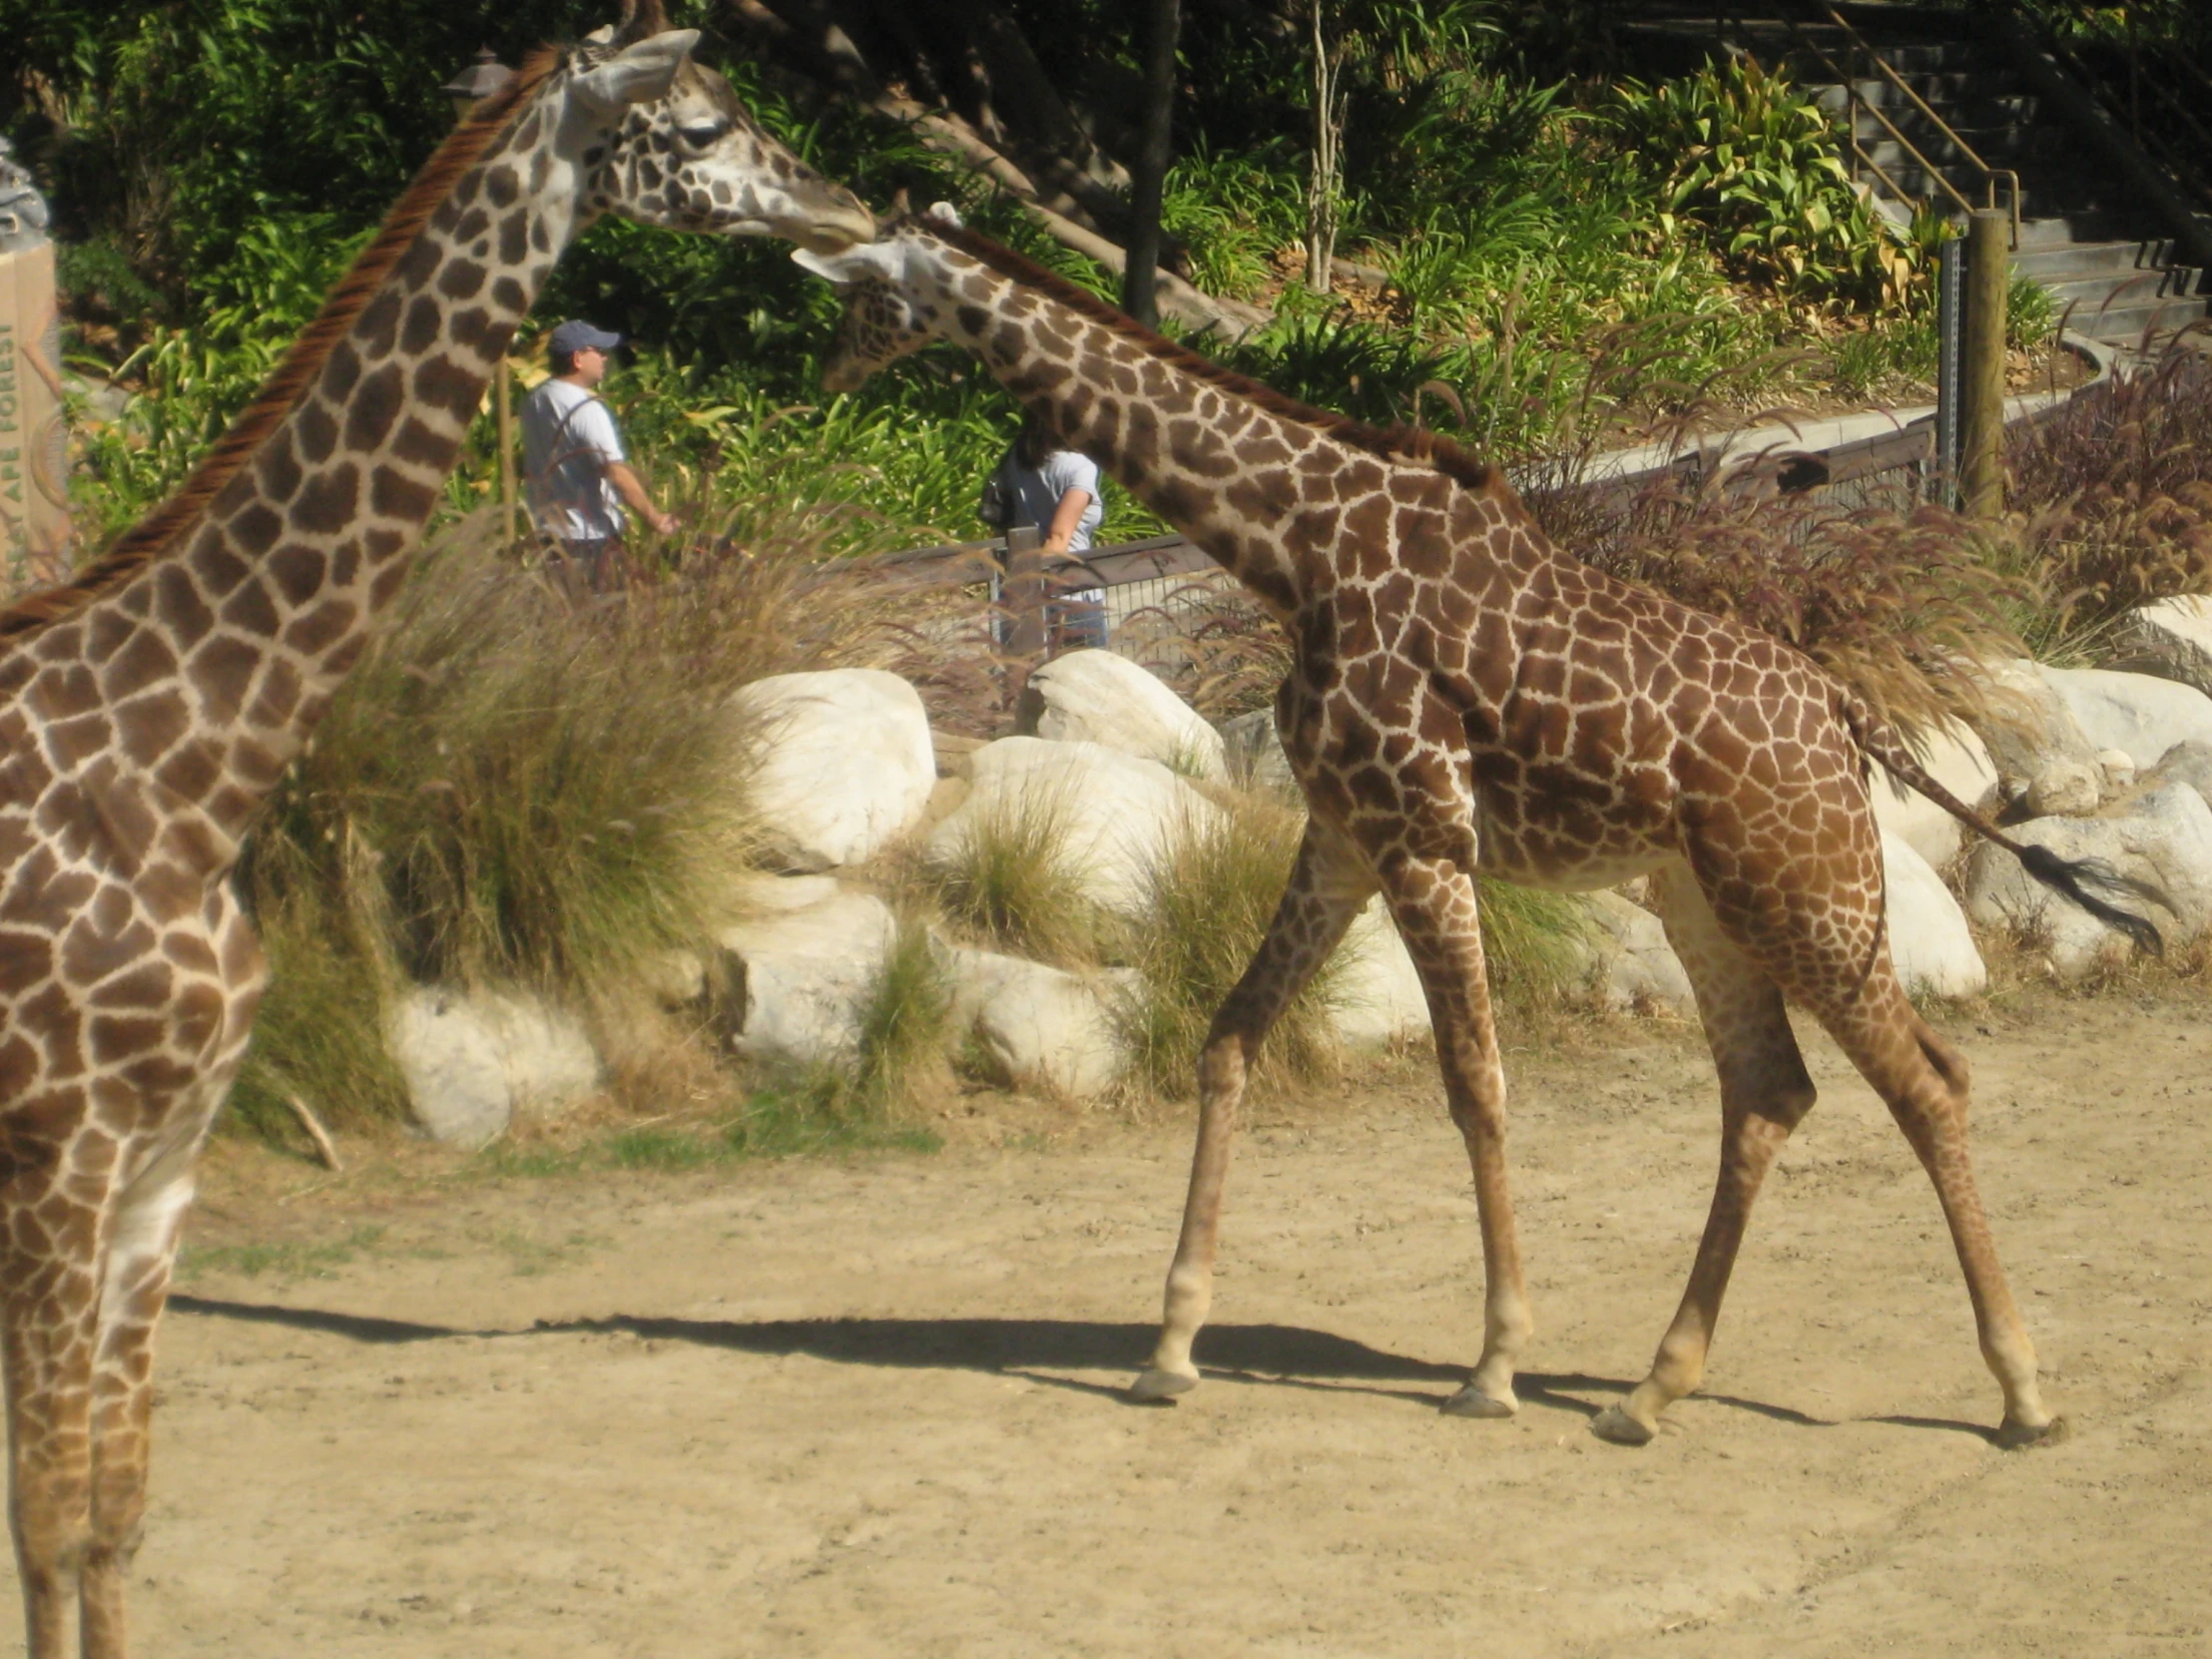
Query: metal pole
(1982, 387)
(1024, 593)
(1950, 288)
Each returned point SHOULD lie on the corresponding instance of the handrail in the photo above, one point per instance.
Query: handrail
(1990, 175)
(2185, 164)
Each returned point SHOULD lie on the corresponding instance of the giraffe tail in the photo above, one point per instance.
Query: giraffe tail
(2089, 883)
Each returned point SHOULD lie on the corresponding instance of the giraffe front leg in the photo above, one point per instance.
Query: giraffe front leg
(49, 1313)
(1432, 900)
(1325, 890)
(140, 1253)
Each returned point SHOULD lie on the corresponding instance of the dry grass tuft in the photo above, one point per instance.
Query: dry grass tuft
(514, 789)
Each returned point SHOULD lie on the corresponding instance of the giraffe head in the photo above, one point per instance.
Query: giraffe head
(883, 317)
(664, 140)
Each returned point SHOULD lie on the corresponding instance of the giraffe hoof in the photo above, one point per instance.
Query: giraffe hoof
(2017, 1437)
(1471, 1402)
(1156, 1386)
(1620, 1429)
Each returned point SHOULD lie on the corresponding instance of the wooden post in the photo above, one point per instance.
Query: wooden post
(1023, 595)
(34, 447)
(1982, 377)
(503, 405)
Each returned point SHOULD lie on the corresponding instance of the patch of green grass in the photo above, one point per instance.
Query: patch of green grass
(282, 1261)
(903, 1020)
(819, 1112)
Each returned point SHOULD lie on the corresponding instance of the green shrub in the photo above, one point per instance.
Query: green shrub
(1757, 166)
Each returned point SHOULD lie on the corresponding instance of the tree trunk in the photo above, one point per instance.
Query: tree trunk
(1322, 183)
(1163, 19)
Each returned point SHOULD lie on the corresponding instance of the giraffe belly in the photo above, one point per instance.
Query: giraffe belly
(1541, 855)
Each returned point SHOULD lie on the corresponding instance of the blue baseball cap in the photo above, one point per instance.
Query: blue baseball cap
(571, 338)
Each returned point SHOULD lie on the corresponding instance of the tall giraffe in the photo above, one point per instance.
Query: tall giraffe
(1465, 697)
(148, 708)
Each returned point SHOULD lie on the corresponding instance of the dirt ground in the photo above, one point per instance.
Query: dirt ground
(871, 1407)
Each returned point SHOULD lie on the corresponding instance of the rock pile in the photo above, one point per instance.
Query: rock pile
(2092, 762)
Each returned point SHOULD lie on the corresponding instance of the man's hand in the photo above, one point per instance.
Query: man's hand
(663, 523)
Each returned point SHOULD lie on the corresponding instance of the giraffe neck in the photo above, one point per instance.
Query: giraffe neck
(199, 677)
(1234, 476)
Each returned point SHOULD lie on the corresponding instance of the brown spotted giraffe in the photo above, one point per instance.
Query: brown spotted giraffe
(1463, 697)
(148, 708)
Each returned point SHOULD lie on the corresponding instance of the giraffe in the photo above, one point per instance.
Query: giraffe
(148, 708)
(1465, 697)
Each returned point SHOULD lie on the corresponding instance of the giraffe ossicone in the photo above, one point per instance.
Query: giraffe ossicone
(1465, 698)
(148, 707)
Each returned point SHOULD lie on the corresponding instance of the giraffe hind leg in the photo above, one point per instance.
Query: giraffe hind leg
(1923, 1080)
(1764, 1093)
(1325, 890)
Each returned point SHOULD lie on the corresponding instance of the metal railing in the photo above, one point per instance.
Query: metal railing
(2167, 105)
(1861, 48)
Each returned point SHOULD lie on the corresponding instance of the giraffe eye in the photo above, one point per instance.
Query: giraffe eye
(701, 135)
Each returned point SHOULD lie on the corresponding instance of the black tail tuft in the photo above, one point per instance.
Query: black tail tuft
(2075, 876)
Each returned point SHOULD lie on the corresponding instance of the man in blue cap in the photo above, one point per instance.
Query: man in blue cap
(576, 474)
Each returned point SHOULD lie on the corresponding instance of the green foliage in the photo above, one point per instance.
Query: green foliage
(1755, 166)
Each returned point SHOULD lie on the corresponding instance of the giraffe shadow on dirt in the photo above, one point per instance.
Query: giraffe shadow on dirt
(1262, 1356)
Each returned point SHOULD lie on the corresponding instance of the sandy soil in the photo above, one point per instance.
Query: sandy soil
(871, 1407)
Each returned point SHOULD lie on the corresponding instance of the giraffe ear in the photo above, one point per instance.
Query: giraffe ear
(637, 73)
(855, 265)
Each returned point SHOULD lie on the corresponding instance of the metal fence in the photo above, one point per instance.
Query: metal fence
(1164, 587)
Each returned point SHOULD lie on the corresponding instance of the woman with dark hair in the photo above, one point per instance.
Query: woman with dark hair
(1057, 490)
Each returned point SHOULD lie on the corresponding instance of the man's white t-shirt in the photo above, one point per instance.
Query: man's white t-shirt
(568, 439)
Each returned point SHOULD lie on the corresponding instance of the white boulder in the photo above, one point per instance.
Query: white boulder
(2164, 839)
(2186, 762)
(844, 763)
(1037, 1024)
(2139, 715)
(797, 976)
(1375, 991)
(1099, 696)
(1255, 752)
(2171, 639)
(2065, 788)
(1930, 944)
(1115, 815)
(2031, 728)
(1632, 966)
(1957, 759)
(471, 1061)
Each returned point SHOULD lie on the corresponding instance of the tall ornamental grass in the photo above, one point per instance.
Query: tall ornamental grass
(511, 787)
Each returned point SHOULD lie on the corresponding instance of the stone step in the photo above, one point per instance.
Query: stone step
(2124, 324)
(2064, 262)
(2124, 289)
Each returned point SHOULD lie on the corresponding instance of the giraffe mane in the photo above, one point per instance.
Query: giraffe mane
(167, 524)
(1416, 444)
